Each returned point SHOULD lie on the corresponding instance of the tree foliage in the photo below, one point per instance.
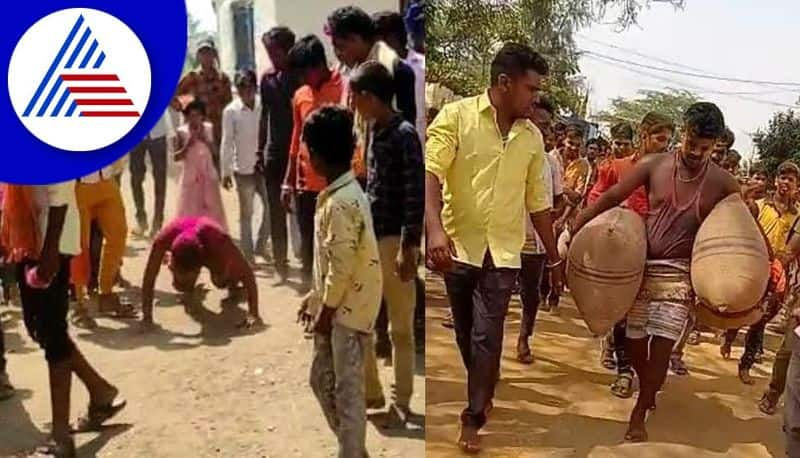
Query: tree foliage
(195, 34)
(779, 141)
(463, 35)
(671, 102)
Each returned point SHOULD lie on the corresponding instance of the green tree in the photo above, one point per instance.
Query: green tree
(194, 35)
(671, 102)
(779, 141)
(463, 35)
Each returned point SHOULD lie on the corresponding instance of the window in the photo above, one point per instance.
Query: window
(243, 35)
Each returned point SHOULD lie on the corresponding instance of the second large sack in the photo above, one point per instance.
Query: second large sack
(730, 266)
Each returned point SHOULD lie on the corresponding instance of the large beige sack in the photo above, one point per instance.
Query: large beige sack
(730, 262)
(605, 266)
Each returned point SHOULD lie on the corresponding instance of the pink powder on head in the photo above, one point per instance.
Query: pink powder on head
(192, 238)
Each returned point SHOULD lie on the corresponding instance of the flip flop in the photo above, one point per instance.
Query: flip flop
(52, 449)
(99, 414)
(767, 406)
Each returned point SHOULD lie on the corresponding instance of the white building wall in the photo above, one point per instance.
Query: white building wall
(302, 16)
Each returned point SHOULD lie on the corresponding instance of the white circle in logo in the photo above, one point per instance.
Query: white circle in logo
(79, 79)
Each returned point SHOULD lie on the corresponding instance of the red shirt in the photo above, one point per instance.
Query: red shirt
(610, 174)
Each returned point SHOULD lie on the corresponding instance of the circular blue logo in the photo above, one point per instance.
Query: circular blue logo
(86, 83)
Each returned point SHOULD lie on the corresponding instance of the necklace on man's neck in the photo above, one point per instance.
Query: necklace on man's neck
(699, 174)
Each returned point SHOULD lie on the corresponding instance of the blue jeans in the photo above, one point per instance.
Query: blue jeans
(247, 186)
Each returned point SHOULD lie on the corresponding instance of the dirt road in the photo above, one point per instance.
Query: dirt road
(194, 388)
(561, 405)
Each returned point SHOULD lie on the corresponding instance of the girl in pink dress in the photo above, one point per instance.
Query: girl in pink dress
(200, 193)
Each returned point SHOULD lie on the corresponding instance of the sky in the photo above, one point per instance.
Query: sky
(741, 39)
(202, 11)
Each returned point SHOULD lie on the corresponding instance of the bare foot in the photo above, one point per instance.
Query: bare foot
(636, 428)
(744, 376)
(524, 354)
(469, 441)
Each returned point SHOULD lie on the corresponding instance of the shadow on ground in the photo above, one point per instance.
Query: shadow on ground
(561, 405)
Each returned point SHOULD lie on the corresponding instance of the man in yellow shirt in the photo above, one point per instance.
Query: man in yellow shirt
(484, 161)
(776, 215)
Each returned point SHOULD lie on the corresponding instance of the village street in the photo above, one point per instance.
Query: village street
(561, 406)
(195, 388)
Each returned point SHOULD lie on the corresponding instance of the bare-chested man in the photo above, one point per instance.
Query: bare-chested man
(682, 190)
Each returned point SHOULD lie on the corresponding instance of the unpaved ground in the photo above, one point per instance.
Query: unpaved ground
(561, 405)
(194, 389)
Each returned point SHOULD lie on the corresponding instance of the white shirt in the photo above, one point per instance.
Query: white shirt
(106, 173)
(166, 125)
(57, 195)
(416, 61)
(554, 182)
(239, 138)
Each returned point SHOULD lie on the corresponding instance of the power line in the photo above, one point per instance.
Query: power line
(668, 62)
(692, 74)
(690, 86)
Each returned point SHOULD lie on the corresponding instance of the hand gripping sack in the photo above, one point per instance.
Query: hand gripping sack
(730, 265)
(605, 267)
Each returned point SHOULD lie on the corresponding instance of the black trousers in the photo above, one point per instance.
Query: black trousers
(754, 339)
(45, 312)
(95, 252)
(273, 174)
(530, 284)
(157, 148)
(479, 298)
(306, 206)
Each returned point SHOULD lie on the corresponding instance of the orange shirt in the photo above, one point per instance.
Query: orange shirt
(305, 101)
(300, 175)
(610, 174)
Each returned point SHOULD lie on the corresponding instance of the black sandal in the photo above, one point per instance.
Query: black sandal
(99, 414)
(623, 386)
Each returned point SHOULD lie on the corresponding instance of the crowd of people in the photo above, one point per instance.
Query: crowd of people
(335, 156)
(507, 185)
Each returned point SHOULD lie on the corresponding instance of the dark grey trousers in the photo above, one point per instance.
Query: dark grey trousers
(479, 299)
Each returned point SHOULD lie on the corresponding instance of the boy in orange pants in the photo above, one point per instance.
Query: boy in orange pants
(99, 200)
